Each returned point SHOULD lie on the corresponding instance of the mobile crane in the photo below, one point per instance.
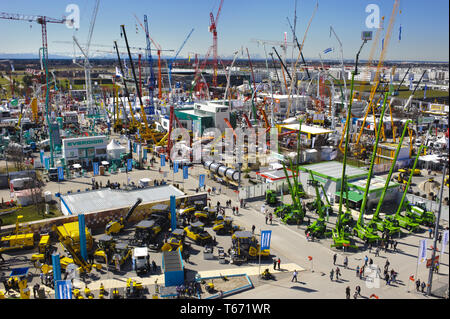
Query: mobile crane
(369, 232)
(392, 226)
(318, 228)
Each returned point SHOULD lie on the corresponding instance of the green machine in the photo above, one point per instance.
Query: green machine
(369, 233)
(271, 197)
(420, 214)
(293, 214)
(406, 222)
(318, 228)
(389, 225)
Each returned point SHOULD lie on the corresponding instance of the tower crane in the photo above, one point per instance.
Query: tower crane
(213, 30)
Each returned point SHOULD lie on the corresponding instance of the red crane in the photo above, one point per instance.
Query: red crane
(213, 30)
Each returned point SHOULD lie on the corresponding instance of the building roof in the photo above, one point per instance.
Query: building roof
(333, 170)
(108, 199)
(376, 183)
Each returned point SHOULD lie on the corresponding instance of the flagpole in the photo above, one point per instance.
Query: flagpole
(259, 266)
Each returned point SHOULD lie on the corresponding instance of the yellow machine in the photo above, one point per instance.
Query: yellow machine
(225, 225)
(44, 244)
(245, 246)
(407, 171)
(197, 233)
(22, 238)
(206, 216)
(115, 226)
(175, 241)
(69, 237)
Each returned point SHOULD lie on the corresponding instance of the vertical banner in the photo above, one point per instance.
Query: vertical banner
(60, 173)
(163, 160)
(265, 239)
(173, 214)
(82, 232)
(144, 156)
(201, 180)
(175, 167)
(129, 164)
(95, 168)
(185, 172)
(444, 241)
(41, 154)
(46, 163)
(422, 251)
(56, 271)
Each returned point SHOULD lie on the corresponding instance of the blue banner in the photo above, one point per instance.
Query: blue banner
(175, 167)
(95, 168)
(64, 289)
(163, 160)
(47, 163)
(265, 239)
(41, 154)
(173, 214)
(129, 164)
(185, 172)
(144, 156)
(201, 180)
(60, 173)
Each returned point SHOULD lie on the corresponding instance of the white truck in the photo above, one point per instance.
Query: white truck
(141, 261)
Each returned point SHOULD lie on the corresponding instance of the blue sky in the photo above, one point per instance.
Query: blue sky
(425, 26)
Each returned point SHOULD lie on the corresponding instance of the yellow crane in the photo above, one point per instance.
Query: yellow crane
(377, 74)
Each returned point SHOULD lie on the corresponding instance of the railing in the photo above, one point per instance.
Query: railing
(259, 190)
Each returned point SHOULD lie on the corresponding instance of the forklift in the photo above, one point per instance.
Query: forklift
(115, 226)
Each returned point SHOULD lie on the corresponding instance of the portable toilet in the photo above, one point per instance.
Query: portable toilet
(173, 268)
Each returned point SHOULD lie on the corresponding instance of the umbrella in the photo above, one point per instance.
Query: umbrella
(76, 165)
(105, 163)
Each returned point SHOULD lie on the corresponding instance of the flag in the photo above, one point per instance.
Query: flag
(444, 241)
(12, 68)
(129, 164)
(163, 160)
(400, 33)
(422, 251)
(201, 180)
(175, 167)
(95, 168)
(327, 50)
(265, 239)
(382, 44)
(185, 172)
(425, 92)
(60, 173)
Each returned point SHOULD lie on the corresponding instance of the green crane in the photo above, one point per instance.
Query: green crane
(318, 228)
(369, 233)
(405, 221)
(391, 226)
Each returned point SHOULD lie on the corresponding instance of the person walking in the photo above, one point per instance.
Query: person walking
(430, 232)
(395, 246)
(332, 274)
(294, 277)
(370, 262)
(417, 284)
(279, 263)
(274, 264)
(422, 286)
(267, 217)
(357, 271)
(366, 259)
(345, 262)
(347, 292)
(377, 252)
(358, 290)
(338, 272)
(387, 278)
(270, 218)
(253, 229)
(334, 259)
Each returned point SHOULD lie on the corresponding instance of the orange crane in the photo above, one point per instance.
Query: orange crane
(213, 30)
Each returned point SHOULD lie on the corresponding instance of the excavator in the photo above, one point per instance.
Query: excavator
(389, 225)
(369, 233)
(115, 226)
(406, 222)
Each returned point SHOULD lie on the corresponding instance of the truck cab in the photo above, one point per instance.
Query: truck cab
(141, 260)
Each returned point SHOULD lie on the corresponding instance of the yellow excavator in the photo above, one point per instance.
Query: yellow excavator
(115, 226)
